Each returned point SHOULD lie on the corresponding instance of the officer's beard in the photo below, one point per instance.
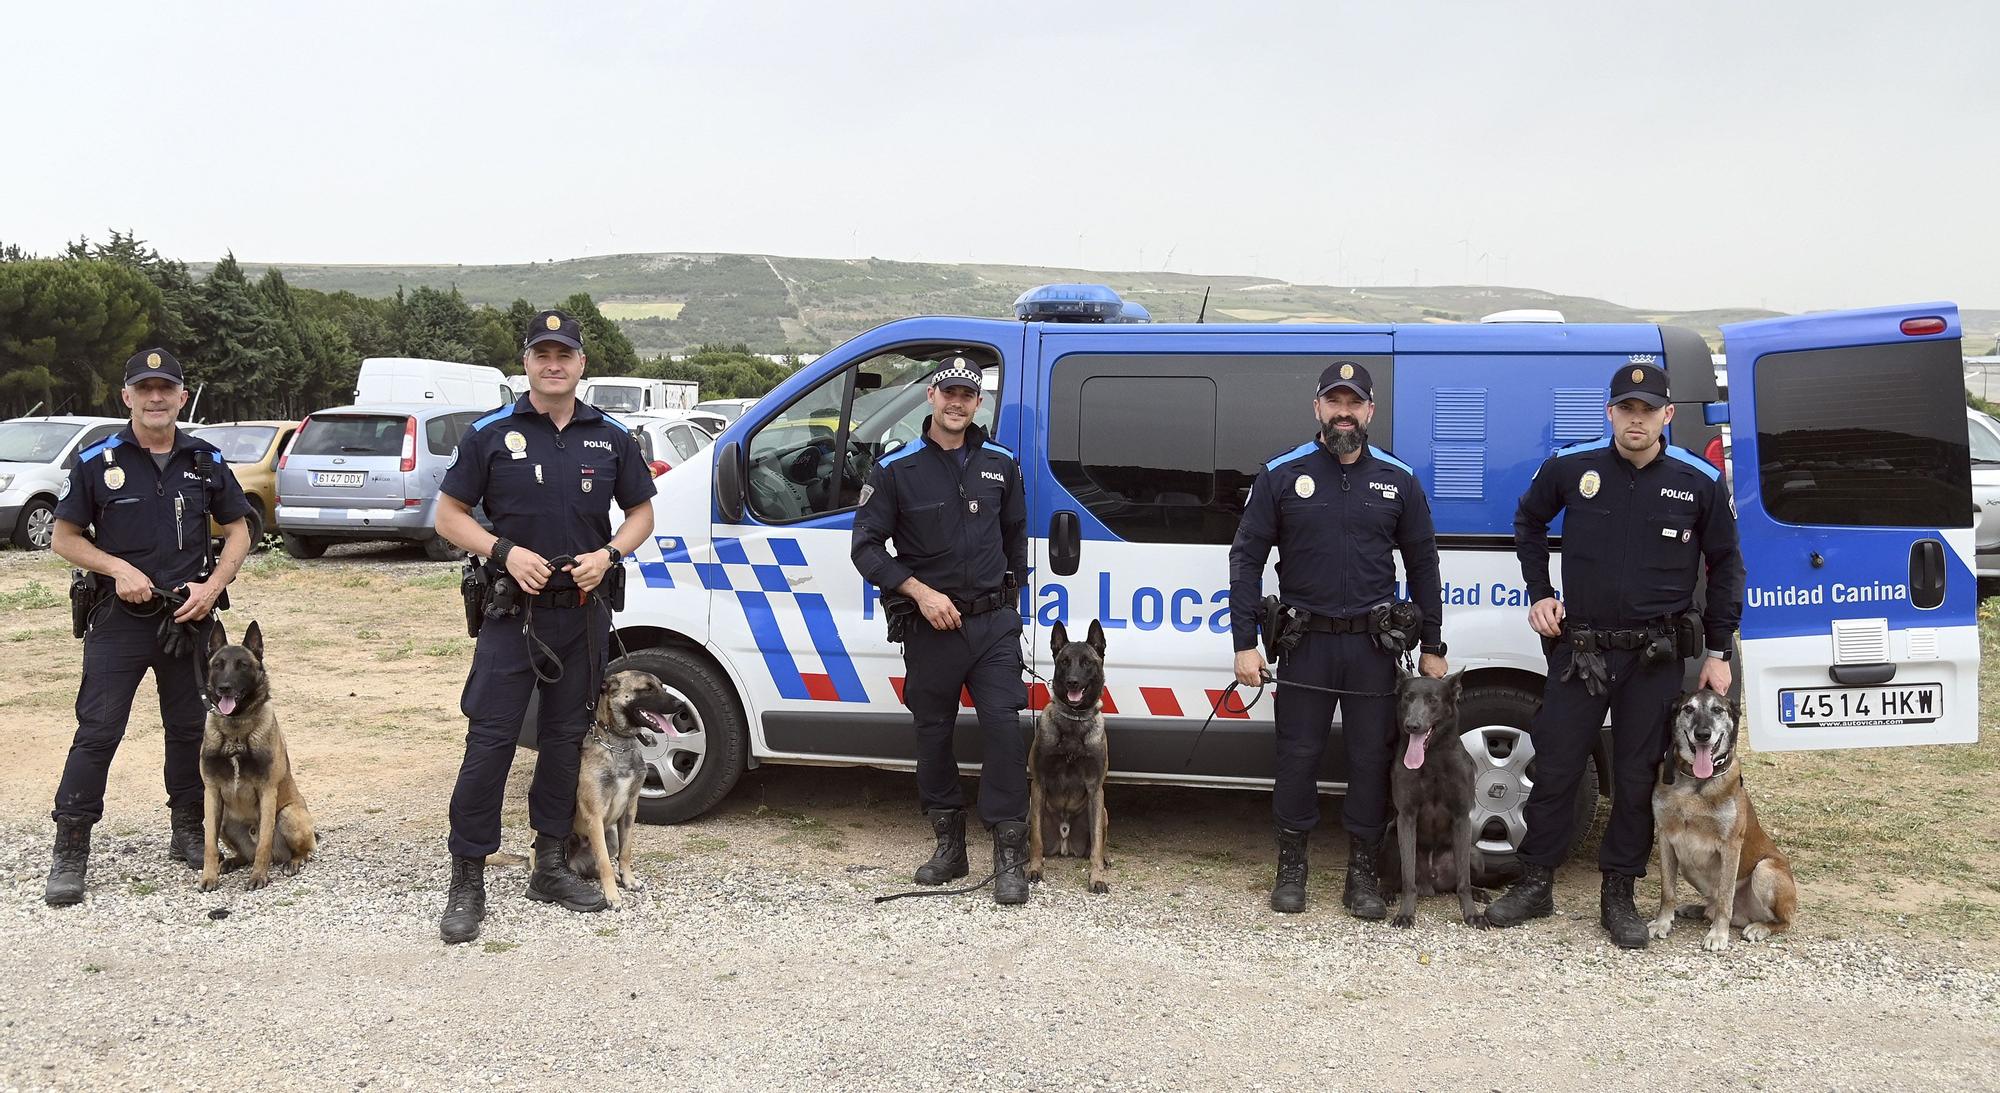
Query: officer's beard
(1344, 441)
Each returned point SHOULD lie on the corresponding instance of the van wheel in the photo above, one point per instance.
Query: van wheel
(692, 768)
(1496, 724)
(440, 549)
(37, 527)
(300, 546)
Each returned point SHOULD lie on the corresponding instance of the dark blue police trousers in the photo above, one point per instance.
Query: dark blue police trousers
(1349, 662)
(117, 650)
(983, 656)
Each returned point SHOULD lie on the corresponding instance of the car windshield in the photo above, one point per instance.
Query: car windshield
(352, 434)
(240, 443)
(35, 441)
(618, 400)
(727, 409)
(1985, 435)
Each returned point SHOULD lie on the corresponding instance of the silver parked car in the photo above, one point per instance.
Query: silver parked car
(369, 473)
(1984, 433)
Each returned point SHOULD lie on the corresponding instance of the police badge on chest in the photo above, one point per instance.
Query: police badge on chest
(588, 472)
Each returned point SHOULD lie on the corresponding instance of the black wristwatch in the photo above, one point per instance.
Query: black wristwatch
(1434, 650)
(616, 554)
(498, 556)
(1722, 655)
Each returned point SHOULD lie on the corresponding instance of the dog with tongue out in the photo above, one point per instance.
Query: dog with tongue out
(1432, 787)
(251, 805)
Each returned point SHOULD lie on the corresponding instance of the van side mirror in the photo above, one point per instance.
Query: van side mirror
(729, 482)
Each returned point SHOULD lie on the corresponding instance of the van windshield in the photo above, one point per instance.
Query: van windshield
(352, 434)
(34, 441)
(618, 400)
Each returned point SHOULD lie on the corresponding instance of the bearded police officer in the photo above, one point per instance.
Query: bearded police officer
(1642, 520)
(547, 470)
(953, 503)
(1336, 508)
(145, 496)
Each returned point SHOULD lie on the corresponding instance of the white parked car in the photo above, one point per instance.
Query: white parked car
(668, 440)
(36, 454)
(1984, 433)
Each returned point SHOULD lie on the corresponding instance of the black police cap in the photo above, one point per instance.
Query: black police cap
(554, 326)
(1349, 375)
(1645, 382)
(157, 363)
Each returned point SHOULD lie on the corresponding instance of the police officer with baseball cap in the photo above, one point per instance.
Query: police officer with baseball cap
(133, 515)
(953, 502)
(547, 469)
(1642, 521)
(1336, 508)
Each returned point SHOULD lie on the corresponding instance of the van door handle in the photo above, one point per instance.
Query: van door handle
(1065, 543)
(1926, 573)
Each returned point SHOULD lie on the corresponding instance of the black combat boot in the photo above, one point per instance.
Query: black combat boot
(1010, 855)
(1363, 893)
(553, 881)
(1288, 895)
(72, 855)
(465, 904)
(1621, 920)
(186, 845)
(1533, 896)
(948, 861)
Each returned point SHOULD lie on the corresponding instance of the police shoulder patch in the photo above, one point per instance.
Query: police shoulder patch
(867, 491)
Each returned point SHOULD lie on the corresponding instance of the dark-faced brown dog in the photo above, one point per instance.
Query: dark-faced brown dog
(1709, 832)
(252, 804)
(609, 775)
(1068, 758)
(1431, 782)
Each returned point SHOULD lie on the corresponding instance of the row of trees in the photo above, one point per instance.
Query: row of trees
(264, 348)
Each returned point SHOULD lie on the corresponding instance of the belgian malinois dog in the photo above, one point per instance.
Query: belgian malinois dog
(1068, 758)
(252, 804)
(632, 705)
(1432, 784)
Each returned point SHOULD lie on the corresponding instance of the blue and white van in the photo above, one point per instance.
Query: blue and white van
(1139, 441)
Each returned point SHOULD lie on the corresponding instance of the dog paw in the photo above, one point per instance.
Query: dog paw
(1660, 928)
(1715, 942)
(1757, 931)
(1099, 887)
(632, 882)
(291, 868)
(1478, 921)
(1034, 876)
(258, 878)
(209, 882)
(1403, 922)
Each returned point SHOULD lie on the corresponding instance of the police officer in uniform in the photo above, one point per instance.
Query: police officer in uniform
(952, 501)
(547, 469)
(145, 496)
(1642, 520)
(1335, 507)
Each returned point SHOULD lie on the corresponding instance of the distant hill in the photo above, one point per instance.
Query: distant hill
(668, 303)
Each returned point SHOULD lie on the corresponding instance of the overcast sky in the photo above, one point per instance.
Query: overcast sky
(1796, 155)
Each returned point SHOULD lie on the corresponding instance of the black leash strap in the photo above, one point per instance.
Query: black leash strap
(1270, 680)
(938, 891)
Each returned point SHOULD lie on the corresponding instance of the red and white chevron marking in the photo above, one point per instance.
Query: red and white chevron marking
(1145, 701)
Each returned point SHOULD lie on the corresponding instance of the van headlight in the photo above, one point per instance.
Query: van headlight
(6, 482)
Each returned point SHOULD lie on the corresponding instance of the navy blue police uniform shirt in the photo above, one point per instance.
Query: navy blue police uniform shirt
(128, 503)
(959, 519)
(546, 489)
(1634, 538)
(1334, 525)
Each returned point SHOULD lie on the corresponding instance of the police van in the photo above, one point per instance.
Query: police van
(1138, 444)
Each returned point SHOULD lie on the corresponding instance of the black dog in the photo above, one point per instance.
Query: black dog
(1432, 785)
(1068, 758)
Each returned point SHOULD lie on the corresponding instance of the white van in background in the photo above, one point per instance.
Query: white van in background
(415, 380)
(632, 395)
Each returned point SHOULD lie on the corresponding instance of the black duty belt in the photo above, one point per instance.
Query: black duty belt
(982, 603)
(562, 598)
(1593, 640)
(1322, 624)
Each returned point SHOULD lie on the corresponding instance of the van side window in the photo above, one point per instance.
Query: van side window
(1873, 436)
(817, 453)
(1163, 448)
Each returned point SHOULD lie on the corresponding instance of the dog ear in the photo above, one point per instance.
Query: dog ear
(1096, 638)
(216, 638)
(253, 640)
(1456, 681)
(1058, 637)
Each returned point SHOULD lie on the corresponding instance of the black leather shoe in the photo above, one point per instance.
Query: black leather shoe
(465, 904)
(186, 845)
(1533, 896)
(1010, 857)
(553, 881)
(1288, 895)
(948, 861)
(1363, 893)
(1620, 918)
(71, 857)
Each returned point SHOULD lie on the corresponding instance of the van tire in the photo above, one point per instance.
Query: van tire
(302, 546)
(440, 549)
(695, 678)
(1501, 708)
(36, 529)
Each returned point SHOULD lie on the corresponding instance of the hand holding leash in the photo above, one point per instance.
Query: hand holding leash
(530, 570)
(1250, 668)
(134, 587)
(588, 571)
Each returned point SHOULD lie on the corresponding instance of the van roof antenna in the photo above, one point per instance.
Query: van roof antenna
(1202, 315)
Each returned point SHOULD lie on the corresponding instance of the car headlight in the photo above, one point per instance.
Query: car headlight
(6, 482)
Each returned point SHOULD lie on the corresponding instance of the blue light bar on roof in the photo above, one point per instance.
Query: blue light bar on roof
(1068, 304)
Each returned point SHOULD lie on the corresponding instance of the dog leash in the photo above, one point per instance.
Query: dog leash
(1243, 709)
(938, 891)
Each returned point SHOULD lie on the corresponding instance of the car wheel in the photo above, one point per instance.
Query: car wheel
(440, 549)
(691, 768)
(255, 523)
(37, 526)
(301, 546)
(1496, 725)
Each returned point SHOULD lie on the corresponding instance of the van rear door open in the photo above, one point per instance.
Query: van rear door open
(1854, 501)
